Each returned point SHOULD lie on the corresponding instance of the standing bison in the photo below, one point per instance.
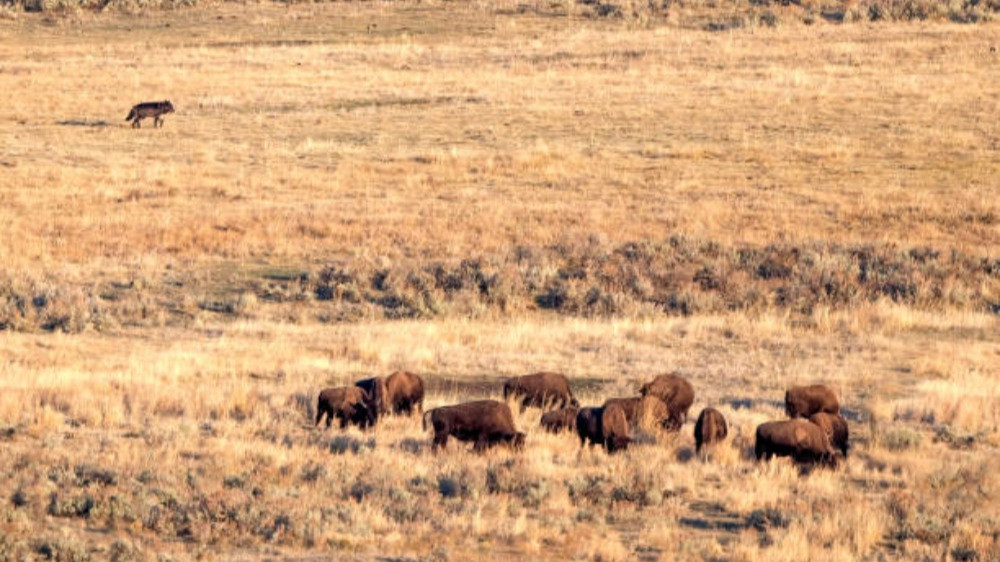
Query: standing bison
(561, 420)
(485, 423)
(676, 392)
(606, 426)
(802, 440)
(404, 393)
(835, 428)
(540, 390)
(710, 428)
(588, 426)
(804, 401)
(614, 428)
(376, 389)
(349, 404)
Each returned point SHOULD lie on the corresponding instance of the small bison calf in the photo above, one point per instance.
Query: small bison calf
(560, 420)
(349, 404)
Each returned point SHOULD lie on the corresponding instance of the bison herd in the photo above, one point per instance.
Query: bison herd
(815, 432)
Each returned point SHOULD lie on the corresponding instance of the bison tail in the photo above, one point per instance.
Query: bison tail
(131, 115)
(423, 420)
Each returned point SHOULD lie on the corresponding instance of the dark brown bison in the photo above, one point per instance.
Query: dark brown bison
(485, 423)
(804, 401)
(404, 393)
(588, 426)
(540, 390)
(643, 411)
(800, 439)
(561, 420)
(710, 428)
(676, 392)
(835, 427)
(349, 404)
(614, 428)
(376, 389)
(606, 426)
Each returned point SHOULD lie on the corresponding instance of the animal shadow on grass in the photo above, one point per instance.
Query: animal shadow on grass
(83, 123)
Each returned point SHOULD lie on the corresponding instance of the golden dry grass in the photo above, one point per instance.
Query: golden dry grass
(205, 436)
(179, 428)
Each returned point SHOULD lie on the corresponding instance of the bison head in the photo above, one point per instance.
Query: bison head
(517, 441)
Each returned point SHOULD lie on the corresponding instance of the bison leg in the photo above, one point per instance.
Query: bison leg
(761, 452)
(135, 123)
(440, 440)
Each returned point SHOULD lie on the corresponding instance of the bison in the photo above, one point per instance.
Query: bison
(606, 426)
(804, 401)
(485, 423)
(643, 411)
(561, 420)
(588, 426)
(710, 428)
(800, 439)
(614, 428)
(835, 427)
(349, 404)
(404, 393)
(376, 389)
(540, 390)
(676, 392)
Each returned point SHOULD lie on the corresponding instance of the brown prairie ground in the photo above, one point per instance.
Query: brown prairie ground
(159, 367)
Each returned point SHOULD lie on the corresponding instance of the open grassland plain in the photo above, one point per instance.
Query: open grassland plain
(460, 160)
(475, 191)
(200, 443)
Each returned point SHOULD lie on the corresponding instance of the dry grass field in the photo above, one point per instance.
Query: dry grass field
(472, 191)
